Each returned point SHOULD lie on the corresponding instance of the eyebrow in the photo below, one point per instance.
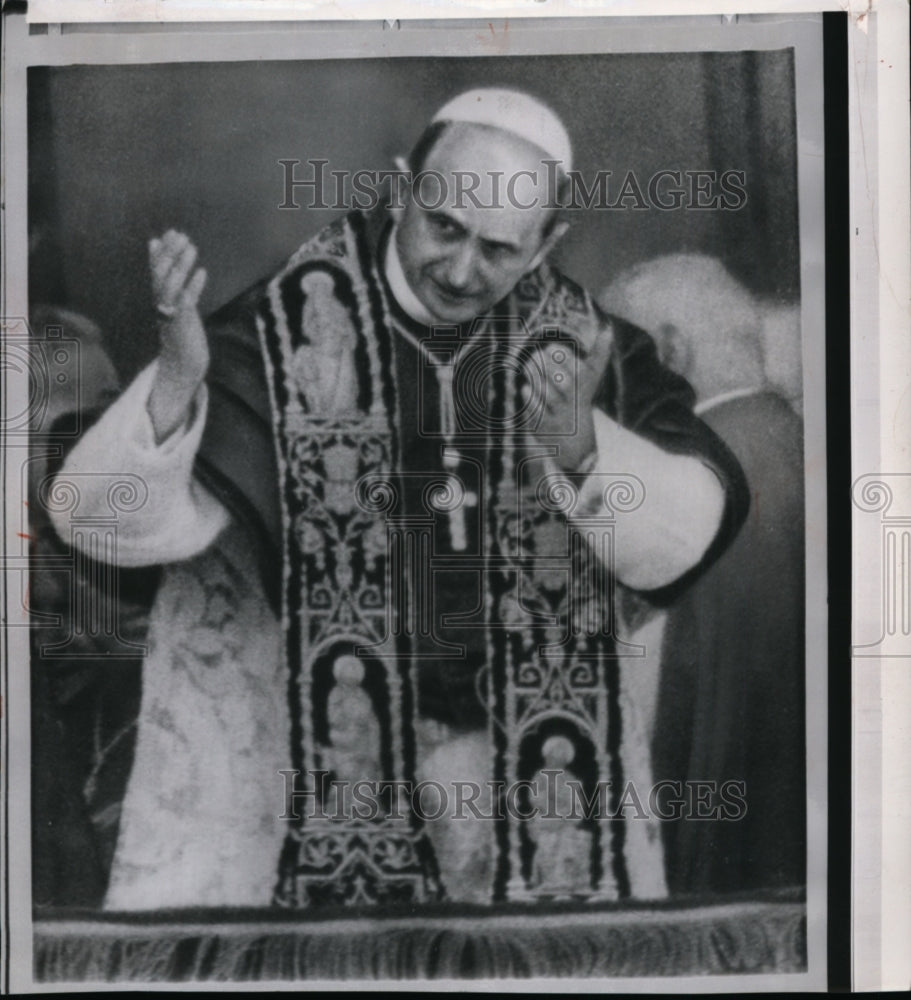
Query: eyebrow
(440, 213)
(497, 244)
(502, 245)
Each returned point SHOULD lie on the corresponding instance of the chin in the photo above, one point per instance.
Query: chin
(449, 312)
(456, 315)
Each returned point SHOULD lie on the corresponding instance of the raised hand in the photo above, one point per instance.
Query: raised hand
(176, 286)
(571, 378)
(184, 356)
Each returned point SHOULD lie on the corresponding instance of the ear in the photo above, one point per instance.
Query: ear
(674, 350)
(550, 241)
(397, 208)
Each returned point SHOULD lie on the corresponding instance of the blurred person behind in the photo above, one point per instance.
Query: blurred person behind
(84, 692)
(730, 702)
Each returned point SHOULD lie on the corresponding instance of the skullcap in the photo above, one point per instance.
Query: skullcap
(515, 112)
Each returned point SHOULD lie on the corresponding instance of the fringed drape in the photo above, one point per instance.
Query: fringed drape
(743, 937)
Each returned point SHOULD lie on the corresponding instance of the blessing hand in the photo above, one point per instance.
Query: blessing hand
(177, 285)
(571, 379)
(184, 356)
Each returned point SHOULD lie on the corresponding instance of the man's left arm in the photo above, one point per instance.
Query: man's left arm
(694, 496)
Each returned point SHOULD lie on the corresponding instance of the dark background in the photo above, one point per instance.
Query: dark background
(121, 153)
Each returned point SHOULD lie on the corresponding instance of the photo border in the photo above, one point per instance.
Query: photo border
(879, 266)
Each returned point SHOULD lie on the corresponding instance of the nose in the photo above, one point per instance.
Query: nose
(461, 266)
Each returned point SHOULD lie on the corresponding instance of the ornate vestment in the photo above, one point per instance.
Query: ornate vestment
(435, 540)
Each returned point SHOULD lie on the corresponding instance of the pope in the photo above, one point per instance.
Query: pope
(423, 366)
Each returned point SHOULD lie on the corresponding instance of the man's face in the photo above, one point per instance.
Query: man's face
(464, 256)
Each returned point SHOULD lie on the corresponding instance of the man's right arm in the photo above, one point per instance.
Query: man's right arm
(153, 431)
(179, 517)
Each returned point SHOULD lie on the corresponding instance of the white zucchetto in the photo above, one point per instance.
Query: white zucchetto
(515, 112)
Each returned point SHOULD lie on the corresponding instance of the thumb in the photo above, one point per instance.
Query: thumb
(600, 351)
(193, 290)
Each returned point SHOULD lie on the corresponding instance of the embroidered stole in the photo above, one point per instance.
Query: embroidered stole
(356, 567)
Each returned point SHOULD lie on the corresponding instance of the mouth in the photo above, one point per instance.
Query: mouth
(450, 296)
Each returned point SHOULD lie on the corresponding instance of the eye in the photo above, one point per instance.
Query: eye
(443, 225)
(497, 251)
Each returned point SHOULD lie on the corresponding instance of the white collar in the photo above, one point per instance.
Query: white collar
(724, 397)
(399, 286)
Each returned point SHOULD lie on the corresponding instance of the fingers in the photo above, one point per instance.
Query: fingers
(194, 288)
(571, 374)
(599, 354)
(171, 259)
(557, 364)
(162, 253)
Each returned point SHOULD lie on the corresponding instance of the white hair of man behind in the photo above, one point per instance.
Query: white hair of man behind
(694, 292)
(696, 310)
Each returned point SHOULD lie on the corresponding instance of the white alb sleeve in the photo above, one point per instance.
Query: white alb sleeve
(657, 540)
(175, 517)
